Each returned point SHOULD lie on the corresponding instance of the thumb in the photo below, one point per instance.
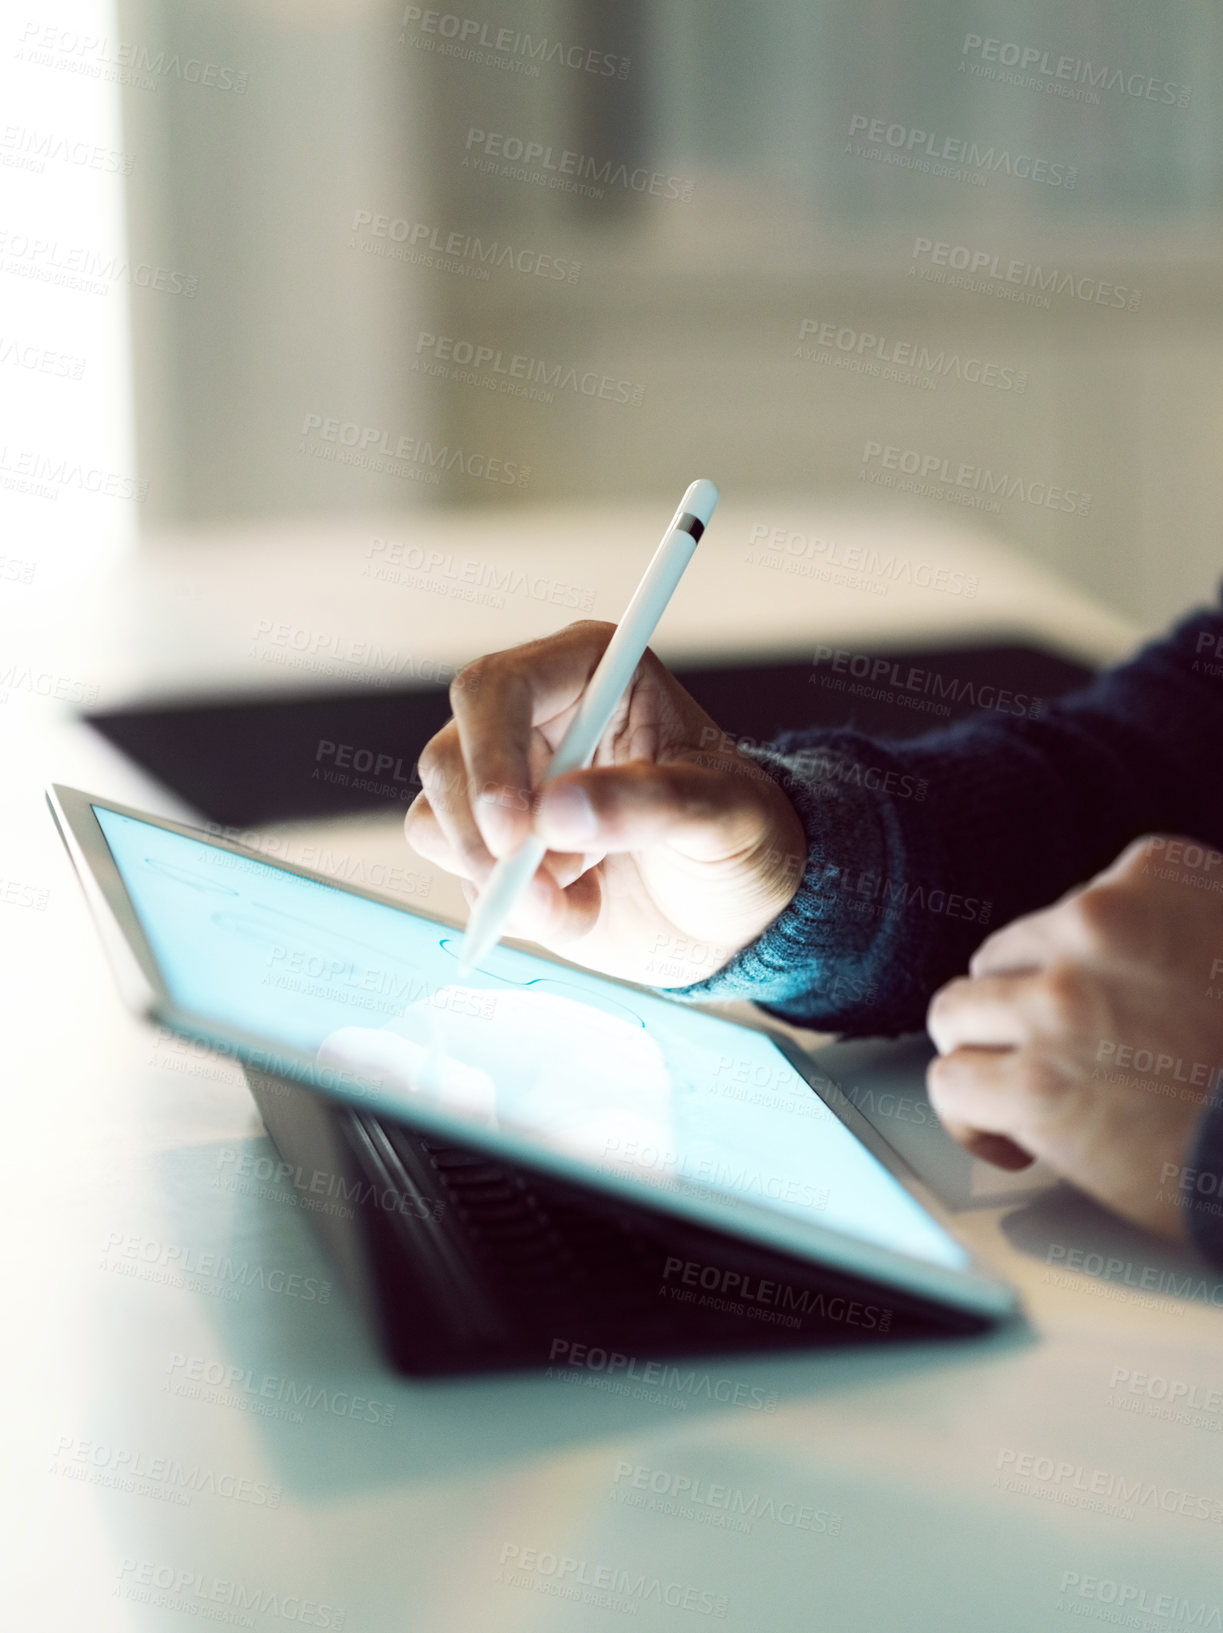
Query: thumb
(709, 815)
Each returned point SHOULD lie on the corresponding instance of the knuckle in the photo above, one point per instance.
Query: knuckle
(1039, 1082)
(420, 827)
(946, 1001)
(1063, 993)
(430, 763)
(1103, 914)
(442, 772)
(987, 954)
(471, 680)
(944, 1078)
(590, 629)
(947, 1073)
(1144, 852)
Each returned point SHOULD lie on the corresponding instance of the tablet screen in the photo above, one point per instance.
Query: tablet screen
(570, 1061)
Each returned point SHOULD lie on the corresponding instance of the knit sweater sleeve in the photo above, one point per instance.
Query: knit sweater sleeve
(916, 849)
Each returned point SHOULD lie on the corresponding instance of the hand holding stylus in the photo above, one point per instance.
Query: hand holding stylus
(664, 857)
(590, 719)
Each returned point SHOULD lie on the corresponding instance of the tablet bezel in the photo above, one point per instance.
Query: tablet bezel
(972, 1288)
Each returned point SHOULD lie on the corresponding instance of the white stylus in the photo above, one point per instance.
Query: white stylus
(603, 692)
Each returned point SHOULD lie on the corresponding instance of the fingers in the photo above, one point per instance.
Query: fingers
(511, 710)
(979, 1095)
(1091, 921)
(988, 1084)
(1006, 1070)
(566, 866)
(1166, 857)
(440, 823)
(449, 838)
(440, 826)
(995, 1149)
(548, 911)
(1020, 1040)
(498, 703)
(994, 1012)
(1025, 944)
(555, 916)
(424, 833)
(998, 1150)
(707, 815)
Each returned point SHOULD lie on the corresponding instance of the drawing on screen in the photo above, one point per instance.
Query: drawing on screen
(275, 928)
(592, 997)
(520, 1057)
(191, 877)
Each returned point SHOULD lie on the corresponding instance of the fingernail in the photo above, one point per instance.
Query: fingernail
(566, 817)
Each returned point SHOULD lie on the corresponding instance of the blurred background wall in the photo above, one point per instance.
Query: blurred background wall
(600, 247)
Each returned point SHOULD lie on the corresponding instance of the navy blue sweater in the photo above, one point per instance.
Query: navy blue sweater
(917, 849)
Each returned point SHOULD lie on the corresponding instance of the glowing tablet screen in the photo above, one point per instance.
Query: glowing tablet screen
(573, 1062)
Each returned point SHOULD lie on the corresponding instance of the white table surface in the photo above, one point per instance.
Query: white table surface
(116, 1141)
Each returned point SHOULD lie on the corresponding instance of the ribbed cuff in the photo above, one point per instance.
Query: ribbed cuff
(821, 959)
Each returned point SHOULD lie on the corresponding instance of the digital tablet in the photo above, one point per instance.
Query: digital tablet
(568, 1073)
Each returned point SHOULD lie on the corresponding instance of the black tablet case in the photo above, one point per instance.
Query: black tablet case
(462, 1262)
